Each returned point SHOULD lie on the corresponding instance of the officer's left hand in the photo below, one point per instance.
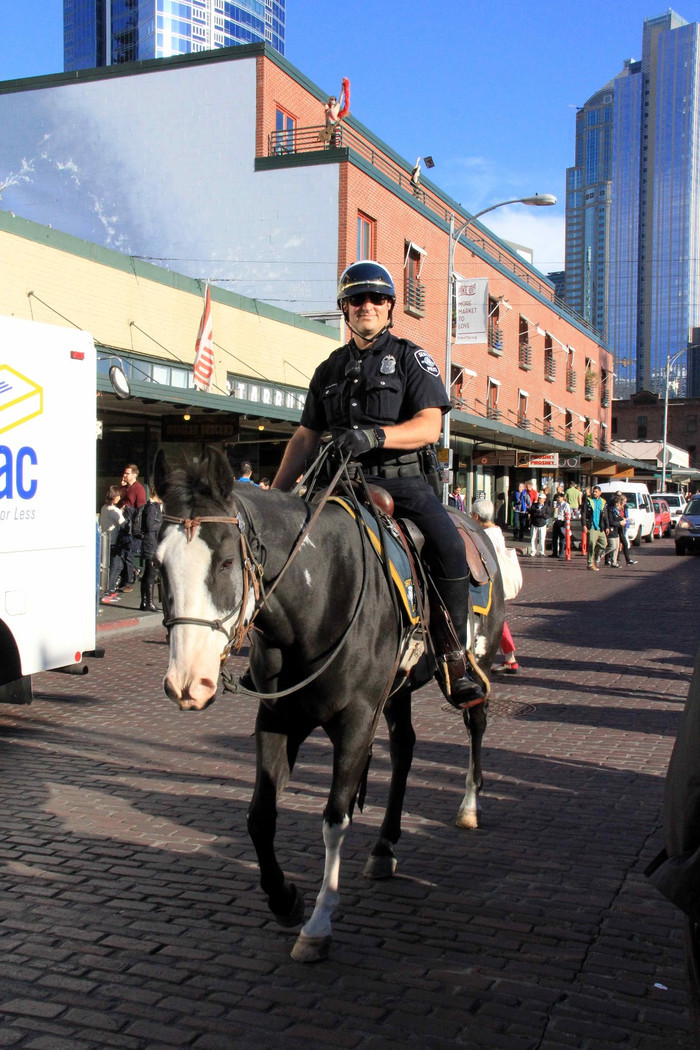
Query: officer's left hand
(356, 442)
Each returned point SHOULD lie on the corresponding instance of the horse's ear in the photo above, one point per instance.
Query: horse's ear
(161, 470)
(221, 477)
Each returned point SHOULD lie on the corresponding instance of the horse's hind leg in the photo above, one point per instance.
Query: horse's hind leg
(381, 863)
(468, 814)
(276, 754)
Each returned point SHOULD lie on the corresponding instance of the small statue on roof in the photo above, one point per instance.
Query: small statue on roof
(334, 112)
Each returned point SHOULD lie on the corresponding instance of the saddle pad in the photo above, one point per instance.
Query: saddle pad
(399, 564)
(481, 597)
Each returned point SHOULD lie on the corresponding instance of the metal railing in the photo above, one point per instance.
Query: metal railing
(525, 355)
(414, 297)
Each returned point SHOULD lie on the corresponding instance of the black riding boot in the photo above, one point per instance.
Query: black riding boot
(147, 598)
(465, 687)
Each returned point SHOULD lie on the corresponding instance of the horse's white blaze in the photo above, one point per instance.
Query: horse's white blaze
(307, 578)
(319, 925)
(195, 650)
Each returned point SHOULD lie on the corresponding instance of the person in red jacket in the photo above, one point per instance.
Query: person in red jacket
(133, 497)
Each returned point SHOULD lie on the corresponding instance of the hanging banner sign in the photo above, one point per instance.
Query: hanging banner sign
(471, 302)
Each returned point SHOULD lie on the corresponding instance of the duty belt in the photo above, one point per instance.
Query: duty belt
(392, 465)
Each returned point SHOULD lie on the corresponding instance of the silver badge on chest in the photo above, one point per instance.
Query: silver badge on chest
(388, 365)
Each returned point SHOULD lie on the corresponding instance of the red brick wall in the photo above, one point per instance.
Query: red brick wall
(399, 220)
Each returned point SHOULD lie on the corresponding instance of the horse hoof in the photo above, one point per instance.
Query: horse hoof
(382, 867)
(310, 949)
(467, 818)
(295, 914)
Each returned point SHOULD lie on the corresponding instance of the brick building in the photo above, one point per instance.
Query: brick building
(641, 417)
(216, 165)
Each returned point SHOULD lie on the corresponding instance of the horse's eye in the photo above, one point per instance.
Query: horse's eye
(226, 564)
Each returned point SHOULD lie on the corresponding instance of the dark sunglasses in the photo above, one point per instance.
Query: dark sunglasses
(376, 298)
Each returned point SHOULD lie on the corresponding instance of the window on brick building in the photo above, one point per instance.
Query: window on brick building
(283, 139)
(691, 424)
(414, 289)
(366, 229)
(641, 427)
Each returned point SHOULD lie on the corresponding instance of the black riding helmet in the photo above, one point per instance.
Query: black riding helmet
(362, 277)
(365, 276)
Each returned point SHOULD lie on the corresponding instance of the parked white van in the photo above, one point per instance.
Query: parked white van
(639, 507)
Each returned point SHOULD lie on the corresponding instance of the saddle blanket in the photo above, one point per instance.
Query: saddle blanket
(480, 595)
(399, 564)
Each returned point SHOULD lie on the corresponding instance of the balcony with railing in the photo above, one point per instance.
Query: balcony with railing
(570, 379)
(525, 354)
(495, 339)
(414, 297)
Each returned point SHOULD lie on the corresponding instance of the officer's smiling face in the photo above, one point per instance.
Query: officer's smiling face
(369, 318)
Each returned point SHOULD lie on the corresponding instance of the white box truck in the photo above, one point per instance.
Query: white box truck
(47, 502)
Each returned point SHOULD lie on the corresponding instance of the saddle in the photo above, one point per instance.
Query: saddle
(481, 557)
(403, 542)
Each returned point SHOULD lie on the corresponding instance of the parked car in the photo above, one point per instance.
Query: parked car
(662, 517)
(688, 527)
(640, 512)
(676, 504)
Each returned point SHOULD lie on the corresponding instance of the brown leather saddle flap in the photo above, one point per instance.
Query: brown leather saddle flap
(481, 557)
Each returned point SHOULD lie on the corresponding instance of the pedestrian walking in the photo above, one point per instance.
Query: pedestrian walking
(594, 519)
(538, 526)
(561, 511)
(521, 511)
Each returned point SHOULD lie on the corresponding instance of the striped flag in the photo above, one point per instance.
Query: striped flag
(204, 352)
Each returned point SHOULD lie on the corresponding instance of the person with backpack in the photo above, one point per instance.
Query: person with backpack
(151, 518)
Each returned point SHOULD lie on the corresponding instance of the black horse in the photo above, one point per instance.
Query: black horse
(325, 641)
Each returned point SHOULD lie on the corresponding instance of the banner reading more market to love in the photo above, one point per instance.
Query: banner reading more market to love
(471, 303)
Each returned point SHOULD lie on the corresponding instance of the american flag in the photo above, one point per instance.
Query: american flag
(204, 353)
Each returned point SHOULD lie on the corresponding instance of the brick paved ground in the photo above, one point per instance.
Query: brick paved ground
(131, 915)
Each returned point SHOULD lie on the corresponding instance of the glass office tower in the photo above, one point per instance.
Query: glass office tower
(106, 32)
(633, 207)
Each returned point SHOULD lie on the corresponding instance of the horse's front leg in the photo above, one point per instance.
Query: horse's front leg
(381, 863)
(276, 753)
(350, 755)
(470, 809)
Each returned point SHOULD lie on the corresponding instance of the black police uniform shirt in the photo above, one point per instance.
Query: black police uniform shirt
(386, 384)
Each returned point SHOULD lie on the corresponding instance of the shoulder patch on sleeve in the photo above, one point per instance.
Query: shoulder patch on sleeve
(426, 362)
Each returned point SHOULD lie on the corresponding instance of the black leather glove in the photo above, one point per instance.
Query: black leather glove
(357, 442)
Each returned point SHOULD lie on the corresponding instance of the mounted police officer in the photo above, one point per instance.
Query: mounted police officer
(383, 400)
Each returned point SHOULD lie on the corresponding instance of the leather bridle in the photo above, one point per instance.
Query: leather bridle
(253, 571)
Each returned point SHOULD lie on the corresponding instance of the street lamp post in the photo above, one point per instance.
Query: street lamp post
(669, 362)
(539, 200)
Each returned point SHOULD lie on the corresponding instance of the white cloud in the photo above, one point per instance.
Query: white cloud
(537, 228)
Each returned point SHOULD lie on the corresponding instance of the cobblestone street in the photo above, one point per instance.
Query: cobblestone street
(131, 912)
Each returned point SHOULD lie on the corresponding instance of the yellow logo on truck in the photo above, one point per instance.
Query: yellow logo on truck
(20, 399)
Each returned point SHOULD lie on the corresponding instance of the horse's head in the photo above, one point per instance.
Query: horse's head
(202, 571)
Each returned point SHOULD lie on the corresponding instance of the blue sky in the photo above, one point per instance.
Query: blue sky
(488, 88)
